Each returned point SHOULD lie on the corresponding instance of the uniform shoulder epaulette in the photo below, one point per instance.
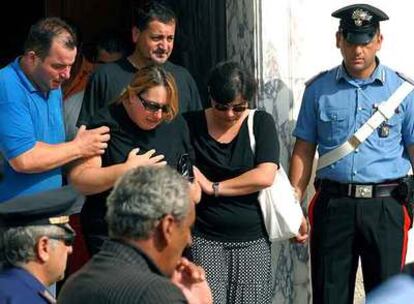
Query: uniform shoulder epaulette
(311, 80)
(405, 77)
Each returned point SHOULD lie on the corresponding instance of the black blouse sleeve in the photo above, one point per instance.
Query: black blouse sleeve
(267, 141)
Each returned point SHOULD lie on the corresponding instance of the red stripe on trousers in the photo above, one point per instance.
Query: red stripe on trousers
(312, 206)
(407, 224)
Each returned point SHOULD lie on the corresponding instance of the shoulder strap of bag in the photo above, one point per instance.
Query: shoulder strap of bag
(252, 138)
(385, 111)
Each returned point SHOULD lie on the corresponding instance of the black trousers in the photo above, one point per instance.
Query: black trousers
(344, 229)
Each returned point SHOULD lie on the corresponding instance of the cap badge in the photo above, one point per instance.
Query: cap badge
(58, 220)
(359, 16)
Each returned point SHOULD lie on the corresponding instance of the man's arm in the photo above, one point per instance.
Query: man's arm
(300, 173)
(43, 157)
(301, 165)
(411, 154)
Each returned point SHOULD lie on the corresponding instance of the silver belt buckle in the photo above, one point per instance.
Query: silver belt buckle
(363, 191)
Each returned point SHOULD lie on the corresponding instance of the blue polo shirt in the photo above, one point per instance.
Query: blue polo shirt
(27, 115)
(335, 106)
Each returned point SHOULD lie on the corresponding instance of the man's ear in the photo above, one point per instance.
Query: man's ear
(338, 37)
(31, 56)
(167, 227)
(379, 38)
(135, 34)
(43, 248)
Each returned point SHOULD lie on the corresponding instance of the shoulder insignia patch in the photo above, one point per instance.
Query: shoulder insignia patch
(405, 77)
(311, 80)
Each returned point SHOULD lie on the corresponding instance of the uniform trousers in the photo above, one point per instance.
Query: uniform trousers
(346, 228)
(237, 272)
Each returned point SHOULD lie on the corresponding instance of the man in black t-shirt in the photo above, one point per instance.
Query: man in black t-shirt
(153, 35)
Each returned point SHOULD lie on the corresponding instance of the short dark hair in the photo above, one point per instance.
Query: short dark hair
(42, 34)
(153, 10)
(227, 80)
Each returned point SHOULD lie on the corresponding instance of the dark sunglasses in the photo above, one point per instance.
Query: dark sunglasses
(226, 107)
(153, 106)
(67, 239)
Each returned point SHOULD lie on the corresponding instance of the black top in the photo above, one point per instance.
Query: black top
(109, 80)
(231, 218)
(120, 274)
(169, 138)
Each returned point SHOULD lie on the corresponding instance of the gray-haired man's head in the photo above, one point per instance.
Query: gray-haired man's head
(142, 197)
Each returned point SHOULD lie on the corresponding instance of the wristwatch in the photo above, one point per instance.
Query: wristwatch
(215, 186)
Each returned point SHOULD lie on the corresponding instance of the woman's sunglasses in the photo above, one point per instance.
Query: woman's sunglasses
(226, 107)
(153, 106)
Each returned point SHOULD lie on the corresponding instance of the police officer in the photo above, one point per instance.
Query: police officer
(358, 209)
(35, 240)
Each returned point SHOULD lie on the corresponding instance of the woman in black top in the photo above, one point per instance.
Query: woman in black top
(145, 131)
(229, 236)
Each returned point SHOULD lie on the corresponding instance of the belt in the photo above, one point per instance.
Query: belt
(386, 189)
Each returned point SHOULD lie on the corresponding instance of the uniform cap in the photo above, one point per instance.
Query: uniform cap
(46, 208)
(359, 22)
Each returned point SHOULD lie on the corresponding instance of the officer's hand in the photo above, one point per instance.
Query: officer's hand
(303, 232)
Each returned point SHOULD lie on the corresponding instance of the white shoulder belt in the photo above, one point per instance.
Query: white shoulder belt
(385, 111)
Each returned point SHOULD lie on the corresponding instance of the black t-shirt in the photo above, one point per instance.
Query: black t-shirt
(231, 218)
(169, 138)
(110, 79)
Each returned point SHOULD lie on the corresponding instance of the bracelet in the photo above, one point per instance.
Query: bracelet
(215, 186)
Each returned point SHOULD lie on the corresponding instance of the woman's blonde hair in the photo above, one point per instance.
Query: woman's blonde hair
(153, 76)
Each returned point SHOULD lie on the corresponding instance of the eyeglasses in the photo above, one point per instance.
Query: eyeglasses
(226, 107)
(67, 239)
(152, 106)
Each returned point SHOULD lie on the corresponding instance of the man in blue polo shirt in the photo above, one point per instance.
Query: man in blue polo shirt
(360, 209)
(32, 136)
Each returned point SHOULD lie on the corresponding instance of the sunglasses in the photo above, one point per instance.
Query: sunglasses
(153, 106)
(67, 239)
(226, 107)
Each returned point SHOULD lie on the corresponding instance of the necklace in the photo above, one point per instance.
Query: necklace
(132, 63)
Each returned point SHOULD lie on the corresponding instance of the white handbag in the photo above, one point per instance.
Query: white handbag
(281, 210)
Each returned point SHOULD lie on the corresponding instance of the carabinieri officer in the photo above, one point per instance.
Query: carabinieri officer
(35, 240)
(361, 205)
